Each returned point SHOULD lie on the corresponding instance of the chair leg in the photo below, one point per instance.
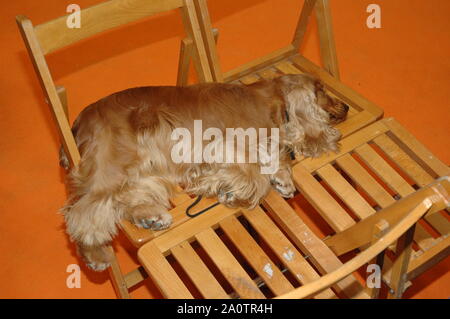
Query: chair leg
(117, 278)
(326, 37)
(186, 54)
(379, 230)
(399, 276)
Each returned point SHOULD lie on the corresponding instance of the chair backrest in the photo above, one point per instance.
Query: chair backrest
(327, 45)
(53, 35)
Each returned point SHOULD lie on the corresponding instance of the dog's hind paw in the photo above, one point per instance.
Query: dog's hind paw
(98, 266)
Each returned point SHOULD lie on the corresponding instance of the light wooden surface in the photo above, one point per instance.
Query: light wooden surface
(282, 247)
(256, 256)
(360, 234)
(198, 272)
(302, 23)
(231, 269)
(329, 279)
(48, 87)
(162, 273)
(326, 37)
(55, 34)
(320, 255)
(379, 230)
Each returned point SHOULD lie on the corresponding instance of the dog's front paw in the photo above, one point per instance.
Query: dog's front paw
(154, 217)
(227, 198)
(283, 184)
(157, 222)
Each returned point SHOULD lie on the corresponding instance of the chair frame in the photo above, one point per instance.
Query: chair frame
(364, 114)
(47, 37)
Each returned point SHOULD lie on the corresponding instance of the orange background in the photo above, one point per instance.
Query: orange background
(404, 67)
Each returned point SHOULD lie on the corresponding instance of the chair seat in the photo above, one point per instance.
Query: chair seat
(360, 115)
(227, 253)
(269, 251)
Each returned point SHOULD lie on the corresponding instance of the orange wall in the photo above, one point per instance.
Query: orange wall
(404, 67)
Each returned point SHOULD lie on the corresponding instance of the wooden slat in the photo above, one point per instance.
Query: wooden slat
(187, 230)
(354, 122)
(302, 23)
(364, 180)
(416, 173)
(320, 255)
(139, 236)
(283, 248)
(345, 191)
(384, 170)
(162, 273)
(55, 34)
(342, 91)
(286, 67)
(135, 276)
(409, 166)
(326, 37)
(249, 79)
(417, 148)
(439, 223)
(429, 258)
(228, 265)
(396, 182)
(368, 254)
(360, 234)
(255, 256)
(259, 64)
(268, 74)
(198, 272)
(180, 197)
(321, 200)
(347, 144)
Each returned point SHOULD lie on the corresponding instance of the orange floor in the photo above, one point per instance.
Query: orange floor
(404, 67)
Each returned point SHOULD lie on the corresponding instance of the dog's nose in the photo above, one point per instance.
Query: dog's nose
(346, 107)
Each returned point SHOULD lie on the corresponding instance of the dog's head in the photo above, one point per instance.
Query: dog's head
(336, 110)
(312, 112)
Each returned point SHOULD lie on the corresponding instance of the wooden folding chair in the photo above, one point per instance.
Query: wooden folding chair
(236, 253)
(47, 37)
(287, 60)
(380, 162)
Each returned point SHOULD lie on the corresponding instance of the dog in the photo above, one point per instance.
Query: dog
(126, 144)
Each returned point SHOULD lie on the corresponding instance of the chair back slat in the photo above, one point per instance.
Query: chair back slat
(55, 34)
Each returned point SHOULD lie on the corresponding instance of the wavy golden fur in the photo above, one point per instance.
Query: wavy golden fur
(126, 170)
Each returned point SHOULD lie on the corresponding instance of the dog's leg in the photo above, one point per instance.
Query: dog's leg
(242, 185)
(282, 182)
(146, 202)
(91, 222)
